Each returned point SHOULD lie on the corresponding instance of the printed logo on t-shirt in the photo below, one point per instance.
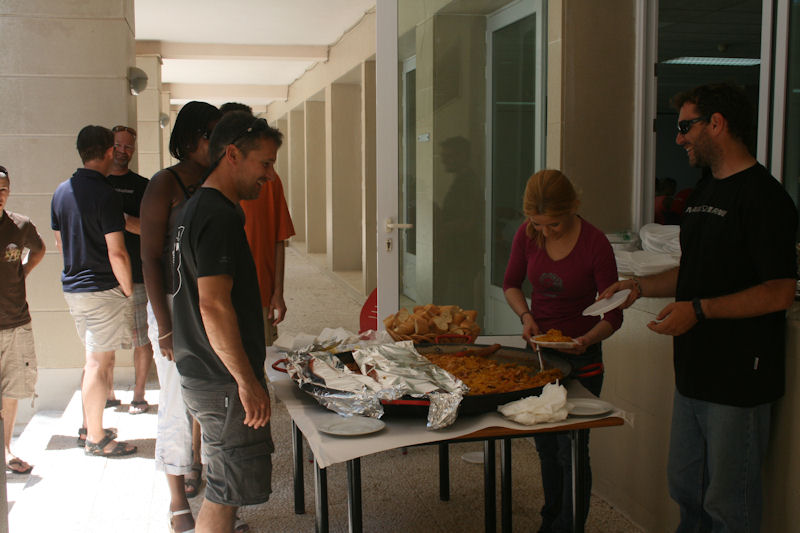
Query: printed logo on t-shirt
(176, 258)
(710, 209)
(551, 283)
(13, 253)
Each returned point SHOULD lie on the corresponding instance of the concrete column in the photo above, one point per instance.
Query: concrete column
(369, 258)
(297, 172)
(148, 112)
(64, 66)
(282, 164)
(316, 239)
(166, 132)
(343, 175)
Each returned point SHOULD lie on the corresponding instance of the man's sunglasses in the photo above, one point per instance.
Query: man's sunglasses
(685, 125)
(117, 129)
(259, 124)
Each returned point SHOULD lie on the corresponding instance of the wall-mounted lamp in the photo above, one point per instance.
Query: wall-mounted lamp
(163, 121)
(137, 80)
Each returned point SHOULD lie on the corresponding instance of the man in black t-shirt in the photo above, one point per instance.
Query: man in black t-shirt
(735, 281)
(217, 321)
(131, 187)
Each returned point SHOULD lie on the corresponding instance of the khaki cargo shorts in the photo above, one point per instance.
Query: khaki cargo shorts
(104, 319)
(18, 369)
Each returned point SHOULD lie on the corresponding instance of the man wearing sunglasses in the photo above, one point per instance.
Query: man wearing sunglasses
(735, 281)
(217, 321)
(131, 187)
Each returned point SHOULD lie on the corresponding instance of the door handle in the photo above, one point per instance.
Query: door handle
(391, 226)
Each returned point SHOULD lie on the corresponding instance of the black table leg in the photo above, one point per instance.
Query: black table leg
(505, 486)
(579, 438)
(444, 472)
(354, 494)
(490, 505)
(321, 493)
(299, 485)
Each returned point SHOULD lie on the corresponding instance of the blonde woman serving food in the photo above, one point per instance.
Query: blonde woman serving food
(568, 262)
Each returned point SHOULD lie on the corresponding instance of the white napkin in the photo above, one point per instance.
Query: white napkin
(551, 406)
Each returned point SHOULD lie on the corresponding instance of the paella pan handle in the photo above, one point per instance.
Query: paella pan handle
(278, 368)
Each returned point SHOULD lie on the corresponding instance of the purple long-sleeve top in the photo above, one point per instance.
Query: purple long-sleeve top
(563, 289)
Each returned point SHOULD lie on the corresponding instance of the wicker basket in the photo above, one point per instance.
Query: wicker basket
(433, 338)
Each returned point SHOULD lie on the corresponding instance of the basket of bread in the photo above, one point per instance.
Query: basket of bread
(435, 324)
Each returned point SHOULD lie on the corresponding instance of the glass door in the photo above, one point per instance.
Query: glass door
(439, 167)
(515, 144)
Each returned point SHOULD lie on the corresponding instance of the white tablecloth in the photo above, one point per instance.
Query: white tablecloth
(399, 432)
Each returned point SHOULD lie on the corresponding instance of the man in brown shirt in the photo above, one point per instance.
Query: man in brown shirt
(17, 355)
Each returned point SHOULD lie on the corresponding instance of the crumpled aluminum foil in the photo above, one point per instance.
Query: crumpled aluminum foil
(388, 371)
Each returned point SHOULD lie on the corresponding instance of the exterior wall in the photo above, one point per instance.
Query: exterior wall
(598, 43)
(149, 140)
(64, 66)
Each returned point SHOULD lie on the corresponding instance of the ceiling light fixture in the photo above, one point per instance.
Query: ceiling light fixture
(715, 61)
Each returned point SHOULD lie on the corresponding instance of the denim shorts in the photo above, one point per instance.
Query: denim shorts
(237, 457)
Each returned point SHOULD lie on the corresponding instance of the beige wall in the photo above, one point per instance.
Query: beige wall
(598, 42)
(64, 65)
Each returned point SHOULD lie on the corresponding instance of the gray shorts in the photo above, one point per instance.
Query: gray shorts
(138, 303)
(17, 362)
(237, 458)
(103, 319)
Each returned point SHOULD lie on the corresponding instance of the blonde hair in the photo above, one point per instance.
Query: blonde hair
(548, 192)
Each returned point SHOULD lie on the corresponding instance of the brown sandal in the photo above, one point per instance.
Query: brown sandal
(97, 449)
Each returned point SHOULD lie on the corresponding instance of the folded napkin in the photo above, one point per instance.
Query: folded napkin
(550, 406)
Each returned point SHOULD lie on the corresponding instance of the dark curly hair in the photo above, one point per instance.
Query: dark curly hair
(728, 100)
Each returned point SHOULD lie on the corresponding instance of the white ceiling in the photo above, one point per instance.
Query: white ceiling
(248, 51)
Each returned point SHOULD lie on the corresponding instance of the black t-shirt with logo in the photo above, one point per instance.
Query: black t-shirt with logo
(736, 233)
(211, 241)
(131, 187)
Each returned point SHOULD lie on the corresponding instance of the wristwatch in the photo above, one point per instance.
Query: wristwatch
(698, 310)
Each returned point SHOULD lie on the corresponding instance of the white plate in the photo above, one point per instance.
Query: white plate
(607, 304)
(555, 345)
(589, 407)
(352, 426)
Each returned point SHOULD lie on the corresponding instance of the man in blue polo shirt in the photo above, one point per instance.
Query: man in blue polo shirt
(86, 215)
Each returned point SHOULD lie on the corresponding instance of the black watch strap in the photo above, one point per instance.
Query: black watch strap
(698, 310)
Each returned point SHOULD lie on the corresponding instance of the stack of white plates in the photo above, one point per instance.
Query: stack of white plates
(644, 263)
(661, 239)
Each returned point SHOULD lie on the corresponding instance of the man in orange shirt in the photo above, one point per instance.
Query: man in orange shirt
(268, 225)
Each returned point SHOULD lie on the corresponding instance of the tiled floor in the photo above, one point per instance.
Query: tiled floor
(69, 492)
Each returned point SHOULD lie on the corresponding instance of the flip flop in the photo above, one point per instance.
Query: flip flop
(15, 466)
(138, 407)
(110, 432)
(97, 449)
(113, 403)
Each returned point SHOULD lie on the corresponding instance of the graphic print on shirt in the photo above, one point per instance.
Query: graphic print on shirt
(176, 258)
(12, 254)
(551, 283)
